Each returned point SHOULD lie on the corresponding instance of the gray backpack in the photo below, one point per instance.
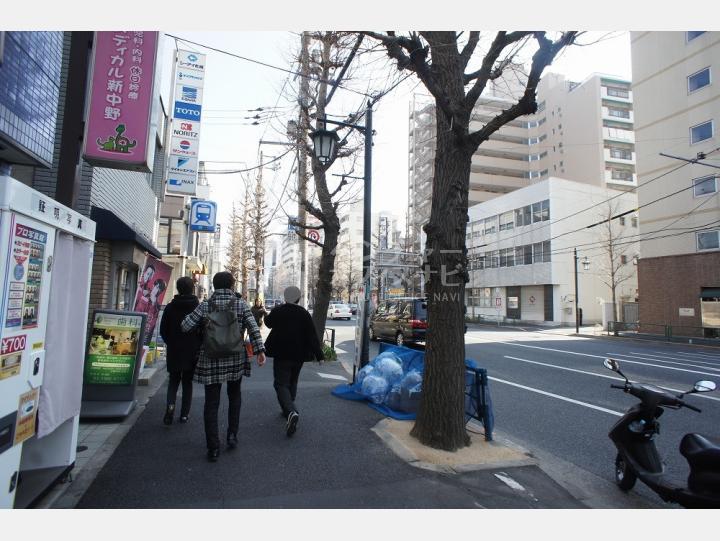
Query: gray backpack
(223, 336)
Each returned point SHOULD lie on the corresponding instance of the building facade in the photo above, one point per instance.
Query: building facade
(521, 252)
(677, 113)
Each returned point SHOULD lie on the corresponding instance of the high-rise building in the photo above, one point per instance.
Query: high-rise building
(581, 131)
(677, 109)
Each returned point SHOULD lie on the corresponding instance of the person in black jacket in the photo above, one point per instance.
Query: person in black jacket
(182, 348)
(292, 341)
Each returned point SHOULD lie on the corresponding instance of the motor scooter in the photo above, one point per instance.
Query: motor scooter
(634, 436)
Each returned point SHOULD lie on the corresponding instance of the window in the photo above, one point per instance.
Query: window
(701, 132)
(704, 186)
(542, 121)
(698, 80)
(546, 251)
(493, 259)
(519, 217)
(537, 252)
(476, 234)
(621, 174)
(708, 240)
(634, 221)
(527, 215)
(619, 113)
(623, 259)
(545, 209)
(490, 225)
(484, 296)
(543, 137)
(507, 257)
(692, 34)
(617, 92)
(519, 259)
(537, 212)
(527, 254)
(622, 153)
(506, 221)
(622, 220)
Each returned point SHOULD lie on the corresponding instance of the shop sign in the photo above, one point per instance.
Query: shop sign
(113, 348)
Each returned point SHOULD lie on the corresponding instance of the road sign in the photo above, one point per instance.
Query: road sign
(314, 235)
(498, 301)
(202, 215)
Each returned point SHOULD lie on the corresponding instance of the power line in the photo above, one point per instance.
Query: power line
(178, 38)
(234, 171)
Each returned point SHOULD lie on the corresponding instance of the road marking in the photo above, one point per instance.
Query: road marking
(509, 481)
(559, 397)
(331, 376)
(602, 357)
(688, 362)
(601, 375)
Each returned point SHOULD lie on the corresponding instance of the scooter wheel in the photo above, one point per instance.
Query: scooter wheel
(624, 476)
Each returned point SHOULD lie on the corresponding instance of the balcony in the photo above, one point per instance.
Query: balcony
(618, 157)
(612, 177)
(616, 134)
(620, 99)
(607, 116)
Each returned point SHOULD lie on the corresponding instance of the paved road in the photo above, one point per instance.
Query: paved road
(551, 392)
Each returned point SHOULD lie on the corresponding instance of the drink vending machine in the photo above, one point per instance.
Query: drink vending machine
(46, 252)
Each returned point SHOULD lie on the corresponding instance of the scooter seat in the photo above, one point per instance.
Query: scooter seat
(700, 451)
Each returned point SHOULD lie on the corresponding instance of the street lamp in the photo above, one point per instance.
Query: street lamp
(586, 266)
(325, 145)
(325, 149)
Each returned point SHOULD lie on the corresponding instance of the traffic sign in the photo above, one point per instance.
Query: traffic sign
(498, 301)
(202, 215)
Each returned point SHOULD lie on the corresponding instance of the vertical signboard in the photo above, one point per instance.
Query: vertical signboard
(151, 289)
(118, 131)
(28, 254)
(182, 169)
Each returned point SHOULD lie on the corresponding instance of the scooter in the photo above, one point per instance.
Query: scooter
(638, 457)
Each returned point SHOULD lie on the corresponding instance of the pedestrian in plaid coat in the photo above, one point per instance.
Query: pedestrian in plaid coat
(213, 372)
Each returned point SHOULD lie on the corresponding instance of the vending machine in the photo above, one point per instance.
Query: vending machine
(46, 254)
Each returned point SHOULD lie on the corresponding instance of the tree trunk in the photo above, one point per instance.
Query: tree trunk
(441, 424)
(323, 292)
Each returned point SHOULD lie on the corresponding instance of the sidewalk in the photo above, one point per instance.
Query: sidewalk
(344, 455)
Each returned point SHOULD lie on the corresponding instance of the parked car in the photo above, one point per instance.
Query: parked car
(353, 308)
(402, 320)
(339, 311)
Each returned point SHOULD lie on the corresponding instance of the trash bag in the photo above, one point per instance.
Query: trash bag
(363, 373)
(390, 368)
(412, 380)
(393, 399)
(410, 392)
(375, 388)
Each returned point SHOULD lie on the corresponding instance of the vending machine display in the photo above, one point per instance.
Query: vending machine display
(31, 227)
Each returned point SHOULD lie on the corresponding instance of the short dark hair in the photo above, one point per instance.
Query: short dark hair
(184, 285)
(223, 280)
(161, 283)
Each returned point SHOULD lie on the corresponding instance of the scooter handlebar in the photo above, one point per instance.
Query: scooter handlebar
(691, 407)
(614, 386)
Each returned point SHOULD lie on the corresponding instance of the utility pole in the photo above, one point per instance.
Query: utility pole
(303, 128)
(577, 314)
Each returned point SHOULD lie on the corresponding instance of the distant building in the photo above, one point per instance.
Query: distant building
(677, 113)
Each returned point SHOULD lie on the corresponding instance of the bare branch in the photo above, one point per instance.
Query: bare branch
(295, 223)
(316, 243)
(469, 48)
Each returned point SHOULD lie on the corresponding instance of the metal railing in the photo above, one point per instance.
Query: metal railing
(669, 332)
(329, 337)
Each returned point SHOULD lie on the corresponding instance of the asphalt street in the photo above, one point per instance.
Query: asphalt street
(551, 393)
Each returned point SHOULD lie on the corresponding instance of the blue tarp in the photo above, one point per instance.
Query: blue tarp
(477, 401)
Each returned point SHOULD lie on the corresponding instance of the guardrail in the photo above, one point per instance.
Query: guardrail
(329, 337)
(662, 329)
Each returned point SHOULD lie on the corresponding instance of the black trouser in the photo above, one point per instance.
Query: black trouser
(285, 375)
(212, 404)
(175, 378)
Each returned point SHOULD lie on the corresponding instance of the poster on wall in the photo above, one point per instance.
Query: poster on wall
(11, 355)
(113, 348)
(151, 292)
(28, 255)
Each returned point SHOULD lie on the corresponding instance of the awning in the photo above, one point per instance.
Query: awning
(110, 227)
(712, 292)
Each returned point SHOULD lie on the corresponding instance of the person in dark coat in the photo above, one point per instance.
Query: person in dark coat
(292, 341)
(182, 348)
(258, 312)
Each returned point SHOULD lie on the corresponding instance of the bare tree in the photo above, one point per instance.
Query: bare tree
(244, 237)
(456, 72)
(615, 265)
(259, 223)
(234, 250)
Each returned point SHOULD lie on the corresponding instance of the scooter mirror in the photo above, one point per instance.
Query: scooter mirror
(612, 364)
(704, 386)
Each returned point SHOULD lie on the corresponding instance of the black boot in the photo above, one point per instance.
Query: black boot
(232, 441)
(213, 454)
(169, 413)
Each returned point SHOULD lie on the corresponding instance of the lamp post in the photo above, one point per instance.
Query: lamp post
(586, 266)
(325, 148)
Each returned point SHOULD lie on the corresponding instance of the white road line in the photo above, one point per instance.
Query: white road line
(625, 360)
(602, 376)
(601, 357)
(559, 397)
(331, 376)
(509, 481)
(687, 359)
(711, 356)
(688, 362)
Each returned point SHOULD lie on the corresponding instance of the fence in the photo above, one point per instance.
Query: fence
(669, 332)
(329, 337)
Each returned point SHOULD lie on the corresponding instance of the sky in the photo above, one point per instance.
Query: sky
(234, 86)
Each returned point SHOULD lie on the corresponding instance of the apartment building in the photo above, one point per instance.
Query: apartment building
(677, 111)
(521, 253)
(581, 131)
